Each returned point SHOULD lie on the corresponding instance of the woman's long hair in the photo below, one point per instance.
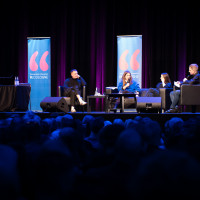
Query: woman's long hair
(166, 78)
(123, 77)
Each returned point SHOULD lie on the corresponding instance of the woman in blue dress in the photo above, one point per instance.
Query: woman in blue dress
(127, 84)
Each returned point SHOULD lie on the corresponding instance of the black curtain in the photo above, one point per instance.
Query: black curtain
(84, 37)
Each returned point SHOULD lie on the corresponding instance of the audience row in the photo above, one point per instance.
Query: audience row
(65, 158)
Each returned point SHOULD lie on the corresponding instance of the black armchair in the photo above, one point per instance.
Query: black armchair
(61, 94)
(190, 96)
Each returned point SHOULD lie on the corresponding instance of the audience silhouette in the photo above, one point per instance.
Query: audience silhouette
(60, 157)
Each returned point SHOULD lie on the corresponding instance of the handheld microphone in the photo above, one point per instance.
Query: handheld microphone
(189, 77)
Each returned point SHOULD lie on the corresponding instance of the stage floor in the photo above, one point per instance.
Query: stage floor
(159, 117)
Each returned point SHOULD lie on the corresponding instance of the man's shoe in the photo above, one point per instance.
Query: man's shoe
(73, 109)
(178, 109)
(172, 110)
(82, 103)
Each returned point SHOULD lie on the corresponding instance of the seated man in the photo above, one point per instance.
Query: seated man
(193, 78)
(73, 87)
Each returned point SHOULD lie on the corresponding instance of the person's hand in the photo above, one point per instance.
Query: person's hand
(136, 92)
(127, 85)
(185, 79)
(178, 83)
(78, 76)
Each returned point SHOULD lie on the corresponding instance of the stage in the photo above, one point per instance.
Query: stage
(159, 117)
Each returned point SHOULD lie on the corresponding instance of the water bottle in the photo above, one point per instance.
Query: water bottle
(95, 92)
(15, 82)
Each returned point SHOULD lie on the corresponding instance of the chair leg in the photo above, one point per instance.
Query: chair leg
(193, 109)
(81, 108)
(84, 108)
(180, 108)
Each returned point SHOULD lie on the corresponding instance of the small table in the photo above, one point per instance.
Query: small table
(14, 98)
(121, 96)
(93, 97)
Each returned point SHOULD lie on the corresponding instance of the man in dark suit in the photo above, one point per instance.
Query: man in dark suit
(193, 78)
(73, 87)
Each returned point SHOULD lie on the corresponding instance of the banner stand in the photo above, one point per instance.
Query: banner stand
(129, 57)
(39, 69)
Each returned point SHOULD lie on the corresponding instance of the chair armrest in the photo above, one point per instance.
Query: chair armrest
(60, 91)
(84, 93)
(165, 97)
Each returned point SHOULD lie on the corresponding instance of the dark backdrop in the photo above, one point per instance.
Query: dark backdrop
(84, 34)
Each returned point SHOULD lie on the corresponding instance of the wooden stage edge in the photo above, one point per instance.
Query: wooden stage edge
(159, 117)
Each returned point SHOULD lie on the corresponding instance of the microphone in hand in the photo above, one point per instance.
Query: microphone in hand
(128, 84)
(189, 77)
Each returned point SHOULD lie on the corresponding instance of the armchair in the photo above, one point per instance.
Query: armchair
(67, 99)
(190, 96)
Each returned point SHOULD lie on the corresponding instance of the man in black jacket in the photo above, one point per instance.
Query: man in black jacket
(73, 87)
(193, 78)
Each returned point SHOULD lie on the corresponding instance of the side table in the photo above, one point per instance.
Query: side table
(94, 97)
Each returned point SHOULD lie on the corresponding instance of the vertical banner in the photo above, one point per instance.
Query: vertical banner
(129, 57)
(39, 70)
